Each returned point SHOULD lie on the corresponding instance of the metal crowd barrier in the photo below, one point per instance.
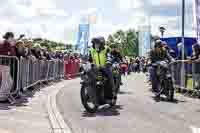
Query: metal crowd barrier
(27, 73)
(196, 76)
(186, 81)
(191, 75)
(13, 63)
(34, 71)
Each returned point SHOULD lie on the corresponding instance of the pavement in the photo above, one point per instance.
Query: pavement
(58, 109)
(136, 111)
(29, 114)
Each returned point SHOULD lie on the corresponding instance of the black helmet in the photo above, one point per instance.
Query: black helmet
(96, 40)
(158, 44)
(99, 40)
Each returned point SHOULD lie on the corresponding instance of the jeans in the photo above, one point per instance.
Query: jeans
(110, 84)
(154, 79)
(150, 69)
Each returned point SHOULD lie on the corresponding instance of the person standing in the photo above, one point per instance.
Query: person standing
(8, 46)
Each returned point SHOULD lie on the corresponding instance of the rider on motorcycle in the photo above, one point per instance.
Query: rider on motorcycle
(116, 57)
(159, 53)
(100, 56)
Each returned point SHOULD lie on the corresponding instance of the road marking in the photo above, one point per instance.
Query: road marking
(56, 119)
(195, 129)
(5, 131)
(31, 112)
(23, 121)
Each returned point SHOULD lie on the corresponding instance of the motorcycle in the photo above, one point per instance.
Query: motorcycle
(164, 77)
(93, 94)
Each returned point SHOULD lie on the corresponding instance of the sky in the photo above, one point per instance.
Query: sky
(58, 20)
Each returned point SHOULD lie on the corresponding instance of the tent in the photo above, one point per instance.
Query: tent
(173, 41)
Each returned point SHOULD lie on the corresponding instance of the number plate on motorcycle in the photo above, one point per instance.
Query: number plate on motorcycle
(168, 75)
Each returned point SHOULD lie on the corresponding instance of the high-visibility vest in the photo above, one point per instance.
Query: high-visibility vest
(99, 58)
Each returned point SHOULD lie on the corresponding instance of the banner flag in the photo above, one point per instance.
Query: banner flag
(83, 38)
(144, 40)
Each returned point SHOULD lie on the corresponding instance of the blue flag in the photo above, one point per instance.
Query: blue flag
(83, 39)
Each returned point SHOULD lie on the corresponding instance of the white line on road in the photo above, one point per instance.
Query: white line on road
(56, 119)
(5, 131)
(31, 112)
(195, 129)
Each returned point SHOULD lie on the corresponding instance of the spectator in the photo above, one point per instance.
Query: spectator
(196, 60)
(8, 45)
(20, 51)
(47, 54)
(28, 50)
(59, 55)
(169, 50)
(53, 55)
(195, 52)
(66, 56)
(134, 64)
(27, 47)
(37, 51)
(43, 53)
(137, 64)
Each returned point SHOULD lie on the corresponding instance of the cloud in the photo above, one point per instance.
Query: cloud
(124, 4)
(59, 19)
(164, 2)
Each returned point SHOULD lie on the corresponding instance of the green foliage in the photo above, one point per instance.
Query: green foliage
(49, 44)
(126, 41)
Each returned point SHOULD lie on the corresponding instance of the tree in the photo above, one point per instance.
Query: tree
(126, 41)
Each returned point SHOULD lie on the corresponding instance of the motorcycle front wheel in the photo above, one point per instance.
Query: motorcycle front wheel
(114, 101)
(171, 90)
(89, 103)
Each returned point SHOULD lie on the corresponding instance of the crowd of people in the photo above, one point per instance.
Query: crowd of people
(27, 48)
(135, 64)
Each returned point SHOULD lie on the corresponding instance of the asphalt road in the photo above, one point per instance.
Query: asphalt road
(136, 111)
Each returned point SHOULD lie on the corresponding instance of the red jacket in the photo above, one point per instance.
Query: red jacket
(7, 49)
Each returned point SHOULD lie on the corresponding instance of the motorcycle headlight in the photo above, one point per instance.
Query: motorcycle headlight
(164, 64)
(86, 67)
(115, 65)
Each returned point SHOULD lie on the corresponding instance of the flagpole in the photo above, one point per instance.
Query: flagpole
(183, 47)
